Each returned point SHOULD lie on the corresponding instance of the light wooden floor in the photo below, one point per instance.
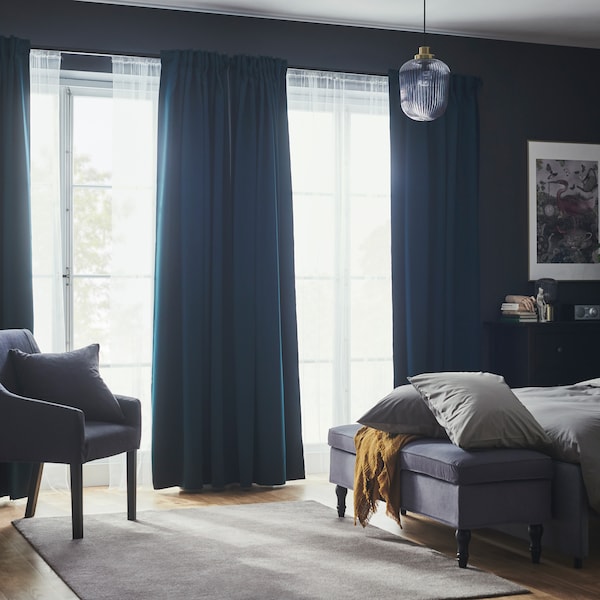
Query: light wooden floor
(25, 576)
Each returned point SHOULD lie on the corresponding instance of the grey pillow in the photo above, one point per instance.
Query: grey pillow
(403, 411)
(479, 410)
(67, 378)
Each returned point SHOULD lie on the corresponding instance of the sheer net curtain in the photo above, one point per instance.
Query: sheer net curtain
(47, 250)
(340, 156)
(129, 355)
(126, 357)
(45, 200)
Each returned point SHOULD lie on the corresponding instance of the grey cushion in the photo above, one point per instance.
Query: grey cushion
(478, 410)
(67, 378)
(342, 437)
(443, 460)
(403, 411)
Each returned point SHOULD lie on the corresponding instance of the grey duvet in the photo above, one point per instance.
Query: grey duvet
(570, 416)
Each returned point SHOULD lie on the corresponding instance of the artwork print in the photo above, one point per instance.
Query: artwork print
(564, 211)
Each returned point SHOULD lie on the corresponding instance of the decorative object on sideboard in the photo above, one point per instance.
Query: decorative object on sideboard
(563, 211)
(586, 312)
(547, 291)
(517, 308)
(424, 84)
(580, 312)
(540, 305)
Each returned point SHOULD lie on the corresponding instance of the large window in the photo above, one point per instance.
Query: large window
(339, 139)
(93, 199)
(88, 215)
(93, 206)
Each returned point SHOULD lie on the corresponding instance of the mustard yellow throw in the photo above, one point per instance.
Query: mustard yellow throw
(376, 472)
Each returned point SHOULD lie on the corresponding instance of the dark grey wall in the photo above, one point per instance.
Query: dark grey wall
(530, 92)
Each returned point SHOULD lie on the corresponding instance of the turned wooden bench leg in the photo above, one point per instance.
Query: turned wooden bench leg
(341, 492)
(463, 537)
(535, 537)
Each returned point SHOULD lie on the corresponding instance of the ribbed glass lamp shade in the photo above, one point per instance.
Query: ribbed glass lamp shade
(424, 86)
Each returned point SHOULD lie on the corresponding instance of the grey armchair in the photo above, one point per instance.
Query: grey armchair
(39, 431)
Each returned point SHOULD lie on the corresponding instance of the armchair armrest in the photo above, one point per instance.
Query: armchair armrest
(132, 410)
(38, 431)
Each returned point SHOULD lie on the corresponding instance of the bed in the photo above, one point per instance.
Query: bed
(570, 415)
(478, 410)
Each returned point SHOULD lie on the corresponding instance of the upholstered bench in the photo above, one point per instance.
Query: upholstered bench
(463, 489)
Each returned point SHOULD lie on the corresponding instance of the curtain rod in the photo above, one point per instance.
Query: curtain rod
(146, 55)
(98, 54)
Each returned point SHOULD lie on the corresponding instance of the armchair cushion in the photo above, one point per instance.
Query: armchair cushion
(67, 378)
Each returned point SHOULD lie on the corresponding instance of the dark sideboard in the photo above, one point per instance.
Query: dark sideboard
(544, 354)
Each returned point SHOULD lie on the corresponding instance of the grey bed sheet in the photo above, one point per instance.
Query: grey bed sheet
(570, 416)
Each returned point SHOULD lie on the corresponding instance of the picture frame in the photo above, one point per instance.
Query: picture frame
(563, 211)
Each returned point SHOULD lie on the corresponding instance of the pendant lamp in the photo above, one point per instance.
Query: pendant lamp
(424, 85)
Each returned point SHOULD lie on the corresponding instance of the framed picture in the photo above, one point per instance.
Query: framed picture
(563, 211)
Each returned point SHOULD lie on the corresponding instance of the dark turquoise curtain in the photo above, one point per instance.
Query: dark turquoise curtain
(435, 235)
(16, 295)
(226, 400)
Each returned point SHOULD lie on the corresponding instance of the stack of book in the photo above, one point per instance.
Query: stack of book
(514, 311)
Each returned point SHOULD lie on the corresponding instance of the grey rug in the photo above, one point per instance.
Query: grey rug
(278, 551)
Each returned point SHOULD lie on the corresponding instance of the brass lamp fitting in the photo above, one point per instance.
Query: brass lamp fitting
(424, 53)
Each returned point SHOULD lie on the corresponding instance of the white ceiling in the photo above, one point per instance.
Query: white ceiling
(561, 22)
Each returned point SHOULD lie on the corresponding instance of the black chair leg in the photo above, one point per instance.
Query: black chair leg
(77, 500)
(131, 484)
(34, 489)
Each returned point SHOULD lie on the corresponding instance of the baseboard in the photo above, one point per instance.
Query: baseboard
(56, 476)
(316, 459)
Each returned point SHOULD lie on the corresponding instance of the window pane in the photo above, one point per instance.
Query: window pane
(369, 167)
(312, 163)
(366, 379)
(317, 400)
(92, 224)
(315, 306)
(371, 320)
(314, 217)
(91, 304)
(92, 140)
(371, 236)
(339, 143)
